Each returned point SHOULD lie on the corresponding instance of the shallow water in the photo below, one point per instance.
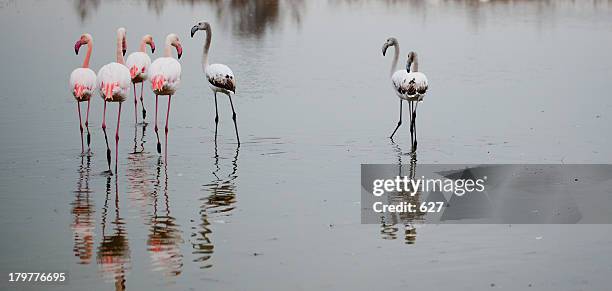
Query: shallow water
(510, 82)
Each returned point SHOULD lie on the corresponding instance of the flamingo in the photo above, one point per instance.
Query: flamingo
(165, 77)
(405, 85)
(139, 63)
(220, 77)
(416, 85)
(114, 82)
(83, 83)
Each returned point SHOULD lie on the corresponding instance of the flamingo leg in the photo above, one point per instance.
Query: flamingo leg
(80, 126)
(135, 104)
(87, 125)
(414, 116)
(117, 137)
(108, 151)
(216, 116)
(400, 119)
(411, 106)
(234, 117)
(144, 111)
(156, 129)
(166, 130)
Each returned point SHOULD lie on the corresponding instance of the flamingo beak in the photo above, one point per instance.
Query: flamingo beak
(408, 64)
(179, 50)
(152, 44)
(384, 49)
(77, 46)
(193, 30)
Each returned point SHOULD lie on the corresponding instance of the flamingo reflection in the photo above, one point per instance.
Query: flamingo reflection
(389, 223)
(114, 251)
(164, 239)
(139, 141)
(83, 210)
(141, 175)
(218, 204)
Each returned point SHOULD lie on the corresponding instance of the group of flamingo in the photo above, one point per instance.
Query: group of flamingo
(409, 84)
(113, 80)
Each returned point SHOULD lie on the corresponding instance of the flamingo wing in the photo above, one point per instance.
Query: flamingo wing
(221, 76)
(138, 63)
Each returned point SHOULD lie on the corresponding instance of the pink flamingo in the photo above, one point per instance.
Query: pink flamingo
(83, 83)
(138, 63)
(114, 82)
(165, 77)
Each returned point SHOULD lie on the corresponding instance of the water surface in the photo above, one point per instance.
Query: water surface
(510, 82)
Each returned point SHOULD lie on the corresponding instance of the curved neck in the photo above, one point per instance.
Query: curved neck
(119, 51)
(88, 55)
(414, 66)
(168, 49)
(206, 48)
(143, 45)
(395, 58)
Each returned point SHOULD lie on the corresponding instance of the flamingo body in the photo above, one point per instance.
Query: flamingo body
(82, 83)
(114, 82)
(165, 75)
(409, 86)
(220, 78)
(415, 86)
(138, 63)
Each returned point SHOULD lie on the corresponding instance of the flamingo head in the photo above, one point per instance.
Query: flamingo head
(121, 35)
(202, 25)
(411, 56)
(390, 42)
(148, 39)
(173, 40)
(84, 39)
(411, 59)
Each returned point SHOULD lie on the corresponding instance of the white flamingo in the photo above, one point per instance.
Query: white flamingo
(114, 83)
(416, 87)
(138, 63)
(83, 83)
(408, 86)
(165, 77)
(220, 77)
